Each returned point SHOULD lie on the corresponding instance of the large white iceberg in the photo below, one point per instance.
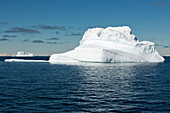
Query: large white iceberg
(112, 44)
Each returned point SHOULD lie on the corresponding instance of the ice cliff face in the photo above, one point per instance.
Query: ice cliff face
(112, 44)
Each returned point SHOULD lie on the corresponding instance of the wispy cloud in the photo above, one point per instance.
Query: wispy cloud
(64, 42)
(4, 23)
(74, 34)
(57, 32)
(51, 42)
(37, 41)
(26, 40)
(58, 42)
(48, 27)
(166, 46)
(4, 39)
(54, 38)
(10, 36)
(158, 45)
(21, 30)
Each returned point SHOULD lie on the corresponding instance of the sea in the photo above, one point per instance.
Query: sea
(85, 87)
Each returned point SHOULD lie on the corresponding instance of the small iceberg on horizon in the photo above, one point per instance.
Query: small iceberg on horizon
(24, 54)
(110, 45)
(26, 57)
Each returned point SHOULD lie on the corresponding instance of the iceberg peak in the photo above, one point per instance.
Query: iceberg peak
(119, 34)
(111, 44)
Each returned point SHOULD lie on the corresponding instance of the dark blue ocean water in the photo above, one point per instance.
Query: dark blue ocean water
(119, 87)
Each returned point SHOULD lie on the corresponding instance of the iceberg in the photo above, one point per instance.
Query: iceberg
(110, 45)
(24, 54)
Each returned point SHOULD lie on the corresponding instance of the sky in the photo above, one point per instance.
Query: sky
(45, 27)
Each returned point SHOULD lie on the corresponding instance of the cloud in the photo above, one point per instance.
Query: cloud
(61, 43)
(166, 46)
(26, 40)
(57, 32)
(70, 27)
(53, 38)
(159, 3)
(4, 39)
(64, 42)
(76, 28)
(37, 41)
(21, 30)
(51, 42)
(74, 34)
(57, 42)
(48, 27)
(158, 45)
(10, 36)
(4, 23)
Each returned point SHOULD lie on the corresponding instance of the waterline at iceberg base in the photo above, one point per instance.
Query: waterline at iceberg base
(112, 44)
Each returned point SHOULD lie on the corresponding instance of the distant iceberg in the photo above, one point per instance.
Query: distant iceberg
(112, 44)
(24, 54)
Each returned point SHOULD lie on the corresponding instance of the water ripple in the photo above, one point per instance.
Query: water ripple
(42, 87)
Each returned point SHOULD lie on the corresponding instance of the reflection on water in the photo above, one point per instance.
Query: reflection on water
(112, 87)
(86, 87)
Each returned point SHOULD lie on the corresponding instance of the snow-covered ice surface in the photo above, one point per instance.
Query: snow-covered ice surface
(112, 44)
